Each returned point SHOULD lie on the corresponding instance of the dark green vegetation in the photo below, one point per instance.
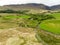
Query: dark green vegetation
(13, 11)
(24, 20)
(34, 19)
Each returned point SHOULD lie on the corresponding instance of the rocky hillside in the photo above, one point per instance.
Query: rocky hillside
(25, 6)
(55, 7)
(30, 6)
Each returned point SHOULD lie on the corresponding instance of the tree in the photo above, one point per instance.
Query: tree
(7, 11)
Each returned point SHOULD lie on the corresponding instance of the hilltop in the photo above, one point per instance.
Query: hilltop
(30, 6)
(25, 6)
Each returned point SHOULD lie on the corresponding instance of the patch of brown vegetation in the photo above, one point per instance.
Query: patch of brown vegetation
(18, 36)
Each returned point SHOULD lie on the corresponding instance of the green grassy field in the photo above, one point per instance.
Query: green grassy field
(52, 25)
(56, 15)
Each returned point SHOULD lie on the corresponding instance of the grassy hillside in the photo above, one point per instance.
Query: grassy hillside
(56, 15)
(51, 26)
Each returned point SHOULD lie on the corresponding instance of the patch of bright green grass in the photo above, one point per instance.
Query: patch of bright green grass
(51, 26)
(24, 16)
(8, 17)
(56, 15)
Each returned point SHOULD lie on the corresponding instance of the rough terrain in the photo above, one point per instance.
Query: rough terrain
(17, 36)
